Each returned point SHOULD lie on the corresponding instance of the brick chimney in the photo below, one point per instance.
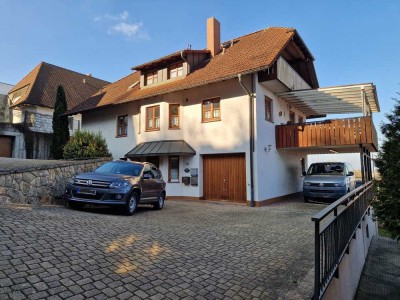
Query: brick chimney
(213, 36)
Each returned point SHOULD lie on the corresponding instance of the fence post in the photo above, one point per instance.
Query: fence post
(317, 261)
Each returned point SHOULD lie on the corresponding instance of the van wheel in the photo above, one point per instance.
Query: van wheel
(160, 203)
(306, 200)
(131, 204)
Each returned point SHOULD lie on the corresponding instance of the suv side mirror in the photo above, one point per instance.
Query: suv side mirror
(350, 174)
(304, 173)
(146, 176)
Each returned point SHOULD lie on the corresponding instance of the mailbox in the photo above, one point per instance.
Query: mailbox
(186, 180)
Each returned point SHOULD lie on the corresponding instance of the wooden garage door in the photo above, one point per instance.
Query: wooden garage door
(224, 177)
(6, 146)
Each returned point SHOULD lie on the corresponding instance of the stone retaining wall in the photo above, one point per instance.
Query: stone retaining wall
(41, 184)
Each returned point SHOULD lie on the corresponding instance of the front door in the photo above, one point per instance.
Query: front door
(224, 177)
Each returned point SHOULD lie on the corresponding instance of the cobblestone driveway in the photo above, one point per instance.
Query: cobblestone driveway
(189, 250)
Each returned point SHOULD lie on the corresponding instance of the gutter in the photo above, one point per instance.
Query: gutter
(251, 134)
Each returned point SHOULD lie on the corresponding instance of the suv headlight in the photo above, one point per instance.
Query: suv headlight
(340, 184)
(119, 184)
(306, 183)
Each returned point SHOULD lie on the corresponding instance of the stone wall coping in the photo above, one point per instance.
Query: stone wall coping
(46, 165)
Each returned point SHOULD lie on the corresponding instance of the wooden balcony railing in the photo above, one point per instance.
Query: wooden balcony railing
(338, 132)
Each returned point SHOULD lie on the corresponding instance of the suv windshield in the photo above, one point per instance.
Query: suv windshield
(124, 168)
(326, 169)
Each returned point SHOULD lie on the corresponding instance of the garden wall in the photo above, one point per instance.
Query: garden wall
(39, 182)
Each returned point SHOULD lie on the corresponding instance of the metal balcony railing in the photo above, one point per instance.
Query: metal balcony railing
(335, 227)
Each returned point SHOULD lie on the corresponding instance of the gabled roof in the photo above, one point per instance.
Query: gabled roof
(110, 93)
(44, 79)
(249, 53)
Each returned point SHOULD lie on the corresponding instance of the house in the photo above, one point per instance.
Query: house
(31, 103)
(5, 141)
(226, 122)
(4, 108)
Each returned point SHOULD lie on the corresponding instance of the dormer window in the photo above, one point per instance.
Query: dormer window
(18, 94)
(151, 77)
(175, 70)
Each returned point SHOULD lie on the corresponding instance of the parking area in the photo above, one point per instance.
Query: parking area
(189, 250)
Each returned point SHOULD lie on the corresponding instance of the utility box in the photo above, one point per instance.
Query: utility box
(194, 176)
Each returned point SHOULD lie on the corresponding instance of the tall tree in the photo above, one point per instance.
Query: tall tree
(60, 125)
(387, 203)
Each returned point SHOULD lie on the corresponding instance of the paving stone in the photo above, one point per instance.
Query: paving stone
(5, 282)
(91, 293)
(76, 297)
(66, 294)
(141, 294)
(109, 292)
(192, 250)
(39, 295)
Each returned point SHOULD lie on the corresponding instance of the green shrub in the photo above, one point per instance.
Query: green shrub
(85, 144)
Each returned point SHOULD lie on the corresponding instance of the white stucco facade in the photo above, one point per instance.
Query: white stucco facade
(276, 173)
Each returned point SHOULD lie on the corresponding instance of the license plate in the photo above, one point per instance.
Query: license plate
(86, 191)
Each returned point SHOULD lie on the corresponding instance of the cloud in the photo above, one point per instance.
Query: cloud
(127, 29)
(119, 24)
(121, 17)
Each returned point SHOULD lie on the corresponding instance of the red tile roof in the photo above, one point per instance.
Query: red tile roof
(44, 79)
(167, 58)
(248, 54)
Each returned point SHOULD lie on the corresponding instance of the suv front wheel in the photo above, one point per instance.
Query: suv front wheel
(131, 204)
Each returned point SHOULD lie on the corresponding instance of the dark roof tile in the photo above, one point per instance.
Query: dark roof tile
(44, 79)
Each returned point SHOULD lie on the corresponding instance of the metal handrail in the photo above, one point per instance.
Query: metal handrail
(333, 238)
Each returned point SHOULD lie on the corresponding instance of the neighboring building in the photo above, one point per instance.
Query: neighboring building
(214, 120)
(4, 106)
(5, 130)
(32, 104)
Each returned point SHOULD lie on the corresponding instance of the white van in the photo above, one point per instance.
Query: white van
(328, 180)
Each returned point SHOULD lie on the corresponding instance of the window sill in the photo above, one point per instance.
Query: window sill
(174, 128)
(121, 136)
(156, 129)
(174, 181)
(210, 120)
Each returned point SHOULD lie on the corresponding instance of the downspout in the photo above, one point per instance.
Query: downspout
(185, 60)
(140, 117)
(251, 133)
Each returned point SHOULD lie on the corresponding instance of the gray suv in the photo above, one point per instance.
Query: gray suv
(328, 180)
(118, 183)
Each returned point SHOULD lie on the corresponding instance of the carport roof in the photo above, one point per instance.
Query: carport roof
(158, 148)
(334, 100)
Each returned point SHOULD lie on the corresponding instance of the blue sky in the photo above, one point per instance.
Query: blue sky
(352, 41)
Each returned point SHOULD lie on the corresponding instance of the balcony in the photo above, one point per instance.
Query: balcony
(282, 78)
(339, 135)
